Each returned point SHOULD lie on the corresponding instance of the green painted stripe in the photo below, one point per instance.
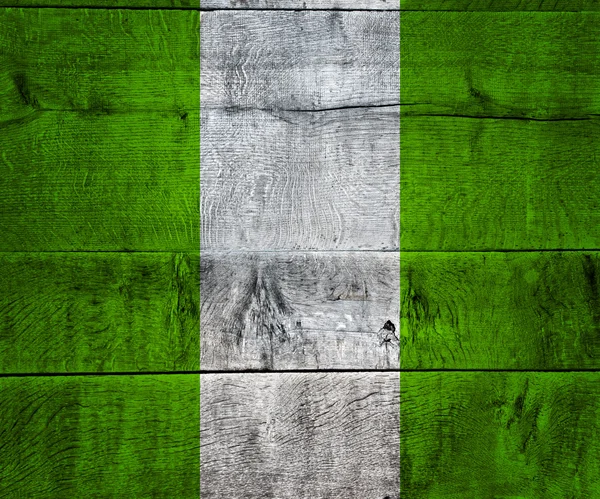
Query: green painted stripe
(99, 437)
(502, 5)
(509, 435)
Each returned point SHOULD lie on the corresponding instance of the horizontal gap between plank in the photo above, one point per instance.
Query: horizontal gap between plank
(292, 371)
(483, 117)
(187, 9)
(74, 252)
(273, 110)
(590, 370)
(195, 373)
(554, 250)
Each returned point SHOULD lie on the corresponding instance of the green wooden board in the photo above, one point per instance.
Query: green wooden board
(105, 4)
(100, 437)
(89, 312)
(500, 310)
(498, 184)
(501, 435)
(501, 5)
(507, 64)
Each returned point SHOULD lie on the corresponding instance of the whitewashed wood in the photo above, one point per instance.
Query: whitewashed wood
(299, 60)
(299, 310)
(300, 181)
(291, 436)
(301, 4)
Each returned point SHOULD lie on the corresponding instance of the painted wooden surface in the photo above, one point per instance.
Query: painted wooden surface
(531, 435)
(299, 60)
(500, 310)
(299, 310)
(99, 147)
(88, 312)
(97, 62)
(501, 5)
(506, 64)
(75, 181)
(287, 180)
(300, 435)
(302, 4)
(100, 437)
(487, 184)
(162, 5)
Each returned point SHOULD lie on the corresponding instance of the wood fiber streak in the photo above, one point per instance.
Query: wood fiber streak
(500, 5)
(290, 436)
(84, 181)
(108, 312)
(527, 64)
(99, 437)
(500, 310)
(299, 311)
(532, 435)
(127, 4)
(97, 61)
(305, 181)
(486, 184)
(299, 60)
(302, 4)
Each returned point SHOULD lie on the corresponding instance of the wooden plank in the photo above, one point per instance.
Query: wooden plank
(299, 60)
(487, 184)
(109, 312)
(299, 310)
(105, 4)
(526, 64)
(300, 181)
(529, 435)
(97, 437)
(74, 181)
(97, 61)
(302, 4)
(500, 310)
(501, 5)
(300, 435)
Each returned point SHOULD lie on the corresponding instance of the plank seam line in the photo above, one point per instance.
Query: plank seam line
(526, 250)
(206, 252)
(517, 118)
(187, 9)
(195, 372)
(581, 370)
(273, 110)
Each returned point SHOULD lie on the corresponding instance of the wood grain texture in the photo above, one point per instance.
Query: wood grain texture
(75, 181)
(531, 435)
(88, 312)
(100, 437)
(288, 180)
(501, 5)
(299, 310)
(105, 4)
(287, 436)
(302, 4)
(299, 60)
(97, 61)
(500, 310)
(487, 184)
(515, 64)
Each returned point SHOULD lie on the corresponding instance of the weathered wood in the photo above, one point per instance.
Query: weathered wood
(97, 61)
(107, 4)
(289, 180)
(486, 184)
(98, 437)
(88, 312)
(73, 181)
(500, 310)
(302, 4)
(299, 60)
(299, 310)
(531, 435)
(500, 5)
(538, 65)
(300, 435)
